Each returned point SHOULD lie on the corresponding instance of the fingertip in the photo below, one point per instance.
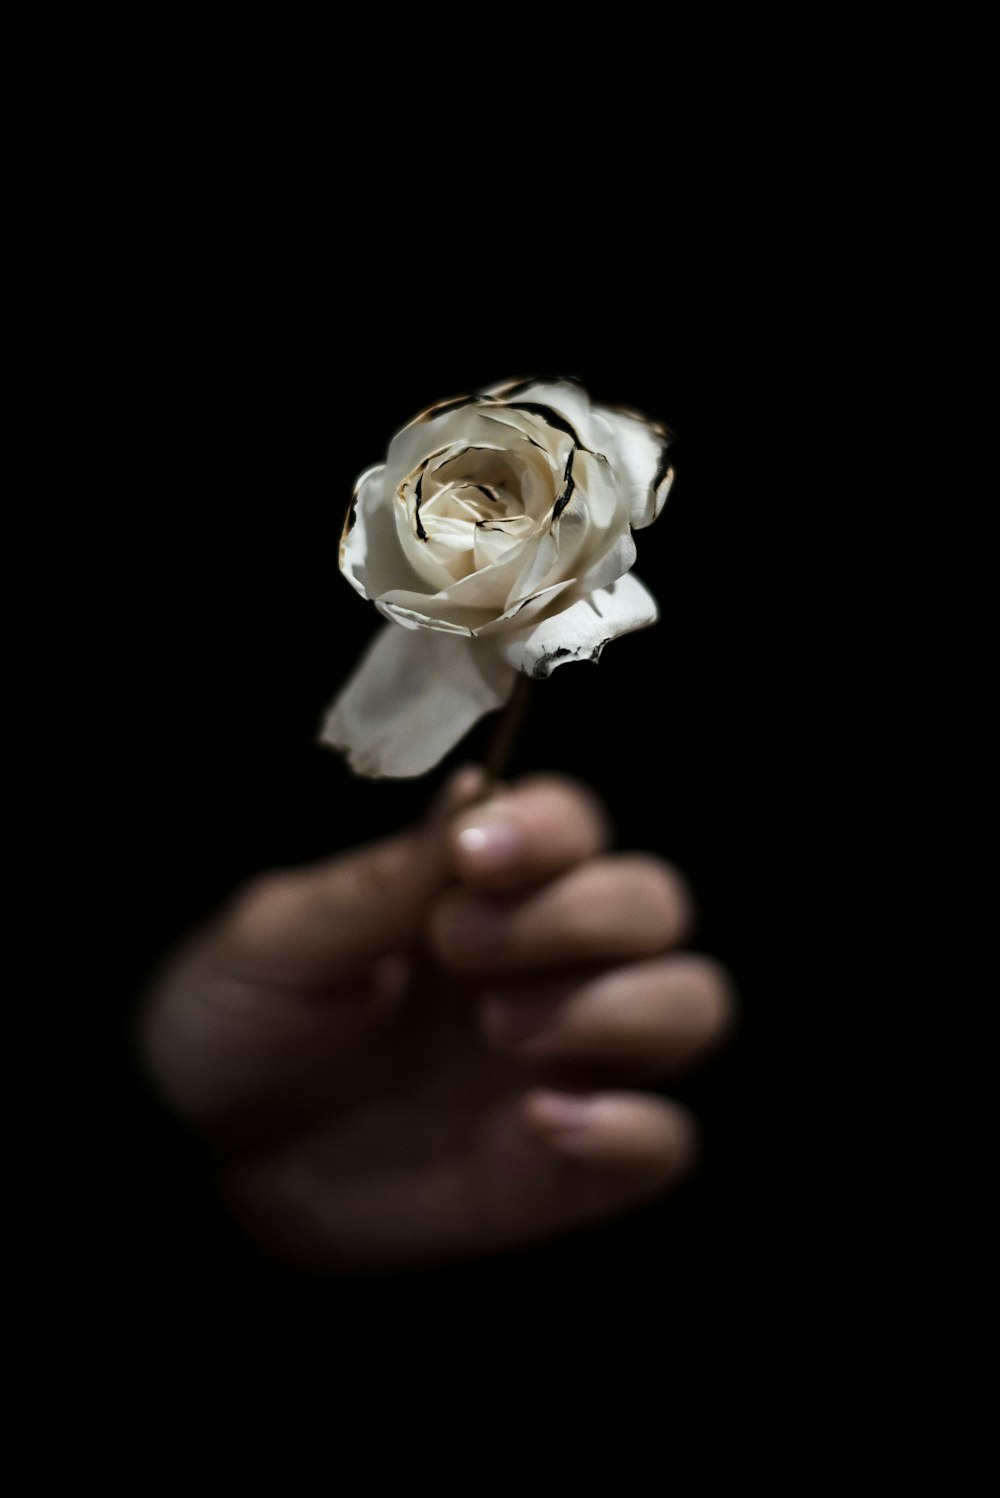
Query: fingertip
(260, 915)
(649, 1141)
(511, 835)
(487, 843)
(560, 1112)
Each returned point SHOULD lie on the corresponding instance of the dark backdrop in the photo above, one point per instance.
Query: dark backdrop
(233, 365)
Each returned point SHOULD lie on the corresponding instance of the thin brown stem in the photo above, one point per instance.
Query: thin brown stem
(505, 733)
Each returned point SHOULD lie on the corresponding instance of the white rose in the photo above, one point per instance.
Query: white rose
(496, 538)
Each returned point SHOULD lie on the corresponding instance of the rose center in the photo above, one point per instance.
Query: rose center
(470, 508)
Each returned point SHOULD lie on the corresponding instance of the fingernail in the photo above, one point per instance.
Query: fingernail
(488, 840)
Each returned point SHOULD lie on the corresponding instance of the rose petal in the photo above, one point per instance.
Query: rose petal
(581, 631)
(526, 609)
(474, 600)
(414, 694)
(542, 426)
(371, 557)
(636, 446)
(415, 618)
(569, 548)
(609, 566)
(640, 457)
(466, 425)
(568, 399)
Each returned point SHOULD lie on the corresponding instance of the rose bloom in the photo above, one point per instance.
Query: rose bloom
(496, 538)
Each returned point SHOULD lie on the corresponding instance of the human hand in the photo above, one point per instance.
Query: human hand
(433, 1047)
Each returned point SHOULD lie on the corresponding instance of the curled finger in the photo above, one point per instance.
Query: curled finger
(653, 1018)
(528, 832)
(620, 906)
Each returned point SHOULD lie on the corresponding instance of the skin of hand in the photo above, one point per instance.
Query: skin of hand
(434, 1047)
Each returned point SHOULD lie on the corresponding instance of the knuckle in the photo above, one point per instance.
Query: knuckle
(259, 910)
(255, 895)
(370, 885)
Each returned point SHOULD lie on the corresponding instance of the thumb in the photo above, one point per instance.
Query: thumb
(324, 921)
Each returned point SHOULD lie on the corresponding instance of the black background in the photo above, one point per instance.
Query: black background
(234, 361)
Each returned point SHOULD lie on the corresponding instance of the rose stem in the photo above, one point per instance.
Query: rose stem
(505, 733)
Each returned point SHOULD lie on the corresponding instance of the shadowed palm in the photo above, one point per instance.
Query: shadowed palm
(411, 1144)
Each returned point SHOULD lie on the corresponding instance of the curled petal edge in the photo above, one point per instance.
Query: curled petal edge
(581, 631)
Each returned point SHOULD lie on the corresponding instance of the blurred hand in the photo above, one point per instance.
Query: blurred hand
(434, 1046)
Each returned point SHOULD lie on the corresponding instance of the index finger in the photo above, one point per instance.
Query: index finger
(528, 832)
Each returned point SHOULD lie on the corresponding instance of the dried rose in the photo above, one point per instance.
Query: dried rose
(496, 538)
